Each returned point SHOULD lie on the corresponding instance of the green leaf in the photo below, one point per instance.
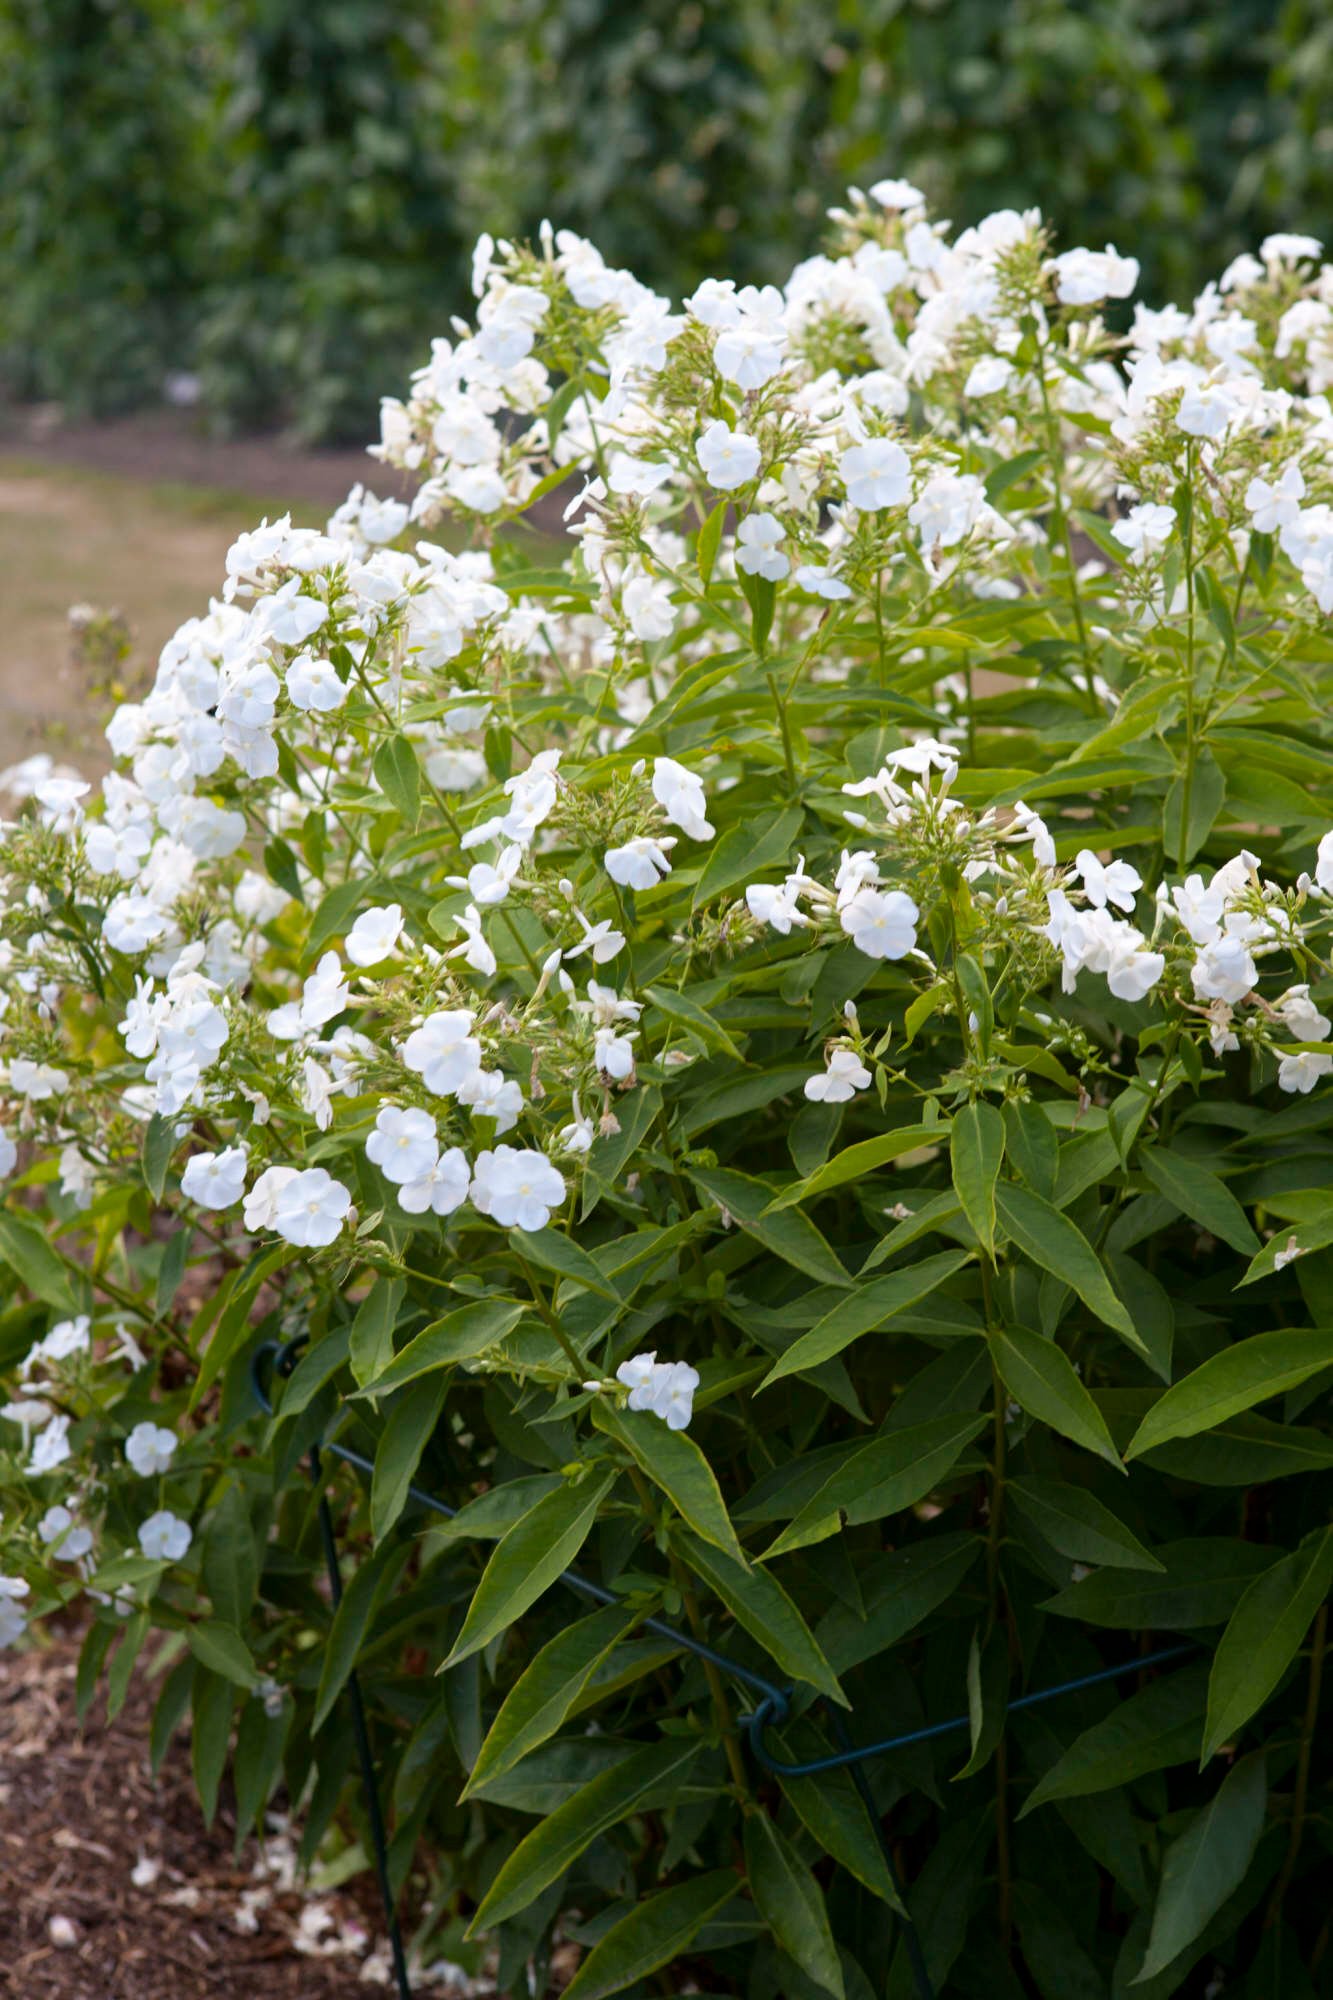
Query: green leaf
(284, 868)
(1077, 1525)
(1244, 1451)
(405, 1437)
(897, 1592)
(547, 1690)
(223, 1651)
(159, 1143)
(1207, 1864)
(552, 1250)
(883, 1475)
(976, 1149)
(792, 1237)
(211, 1702)
(1052, 1242)
(987, 1698)
(710, 539)
(1266, 1365)
(1008, 473)
(1149, 1730)
(257, 1766)
(653, 1774)
(335, 913)
(1040, 1377)
(1201, 1196)
(370, 1345)
(757, 1601)
(1264, 1635)
(1187, 819)
(34, 1263)
(229, 1568)
(355, 1610)
(855, 1162)
(682, 1012)
(654, 1934)
(673, 1461)
(830, 1807)
(460, 1336)
(791, 1903)
(1201, 1583)
(398, 776)
(863, 1311)
(746, 851)
(171, 1270)
(528, 1558)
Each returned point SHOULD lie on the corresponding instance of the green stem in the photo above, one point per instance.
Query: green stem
(1300, 1796)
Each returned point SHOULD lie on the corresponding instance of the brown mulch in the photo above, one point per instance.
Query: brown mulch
(80, 1810)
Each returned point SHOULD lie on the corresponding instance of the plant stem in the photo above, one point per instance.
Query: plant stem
(1063, 529)
(717, 1692)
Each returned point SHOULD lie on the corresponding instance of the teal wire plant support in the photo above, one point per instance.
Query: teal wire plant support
(771, 1710)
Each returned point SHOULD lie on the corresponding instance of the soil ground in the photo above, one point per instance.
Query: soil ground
(134, 516)
(112, 1888)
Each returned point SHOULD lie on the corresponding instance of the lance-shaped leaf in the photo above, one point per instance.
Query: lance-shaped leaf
(552, 1250)
(653, 1935)
(888, 1472)
(863, 1310)
(1201, 1583)
(1266, 1365)
(745, 851)
(646, 1778)
(1040, 1377)
(1051, 1241)
(854, 1162)
(547, 1690)
(793, 1238)
(1160, 1725)
(1264, 1635)
(1189, 1186)
(674, 1462)
(1078, 1525)
(398, 1453)
(757, 1601)
(1207, 1864)
(460, 1336)
(528, 1558)
(976, 1150)
(830, 1807)
(791, 1903)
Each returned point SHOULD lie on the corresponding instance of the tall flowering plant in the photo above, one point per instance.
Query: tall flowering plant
(738, 973)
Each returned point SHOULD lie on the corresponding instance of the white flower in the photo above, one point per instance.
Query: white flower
(821, 582)
(753, 336)
(13, 1622)
(216, 1180)
(1114, 882)
(1145, 529)
(488, 1093)
(758, 547)
(442, 1188)
(9, 1154)
(1288, 1254)
(1085, 277)
(149, 1449)
(1323, 870)
(988, 375)
(774, 903)
(1224, 970)
(404, 1144)
(897, 194)
(311, 1209)
(647, 605)
(1277, 505)
(374, 935)
(36, 1081)
(729, 458)
(1302, 1072)
(474, 950)
(1206, 409)
(57, 1527)
(52, 1447)
(315, 684)
(641, 863)
(664, 1388)
(442, 1051)
(1298, 1012)
(681, 796)
(164, 1537)
(516, 1188)
(881, 923)
(876, 474)
(614, 1054)
(261, 1204)
(845, 1075)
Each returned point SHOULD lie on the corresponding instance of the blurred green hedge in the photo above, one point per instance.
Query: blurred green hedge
(280, 197)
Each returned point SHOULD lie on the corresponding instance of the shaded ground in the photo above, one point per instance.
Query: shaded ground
(113, 1889)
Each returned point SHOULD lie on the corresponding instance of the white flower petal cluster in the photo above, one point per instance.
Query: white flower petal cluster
(663, 1388)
